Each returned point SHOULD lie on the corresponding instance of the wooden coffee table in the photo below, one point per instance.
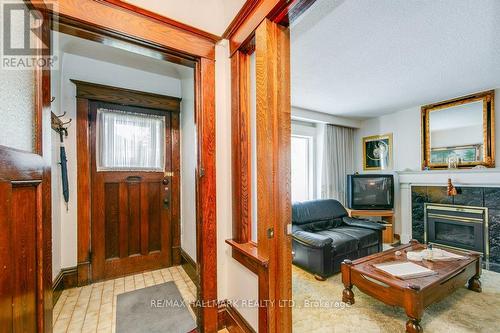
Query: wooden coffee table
(414, 295)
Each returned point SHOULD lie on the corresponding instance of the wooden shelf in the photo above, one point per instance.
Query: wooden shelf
(387, 217)
(247, 254)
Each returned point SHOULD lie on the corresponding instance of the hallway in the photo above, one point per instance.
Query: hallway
(92, 308)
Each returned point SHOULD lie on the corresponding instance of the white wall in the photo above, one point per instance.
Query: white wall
(85, 69)
(188, 165)
(234, 281)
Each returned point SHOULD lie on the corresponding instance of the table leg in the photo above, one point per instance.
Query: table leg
(348, 295)
(413, 326)
(475, 284)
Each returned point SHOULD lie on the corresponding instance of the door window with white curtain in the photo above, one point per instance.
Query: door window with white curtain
(129, 141)
(302, 165)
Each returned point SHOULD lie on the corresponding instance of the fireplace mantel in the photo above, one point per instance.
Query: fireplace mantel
(464, 177)
(460, 177)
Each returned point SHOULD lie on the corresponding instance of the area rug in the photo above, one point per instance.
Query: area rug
(159, 308)
(319, 308)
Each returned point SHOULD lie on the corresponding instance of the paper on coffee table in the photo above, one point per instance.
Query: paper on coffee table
(404, 270)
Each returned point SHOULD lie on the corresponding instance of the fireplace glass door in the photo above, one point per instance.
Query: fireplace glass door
(457, 227)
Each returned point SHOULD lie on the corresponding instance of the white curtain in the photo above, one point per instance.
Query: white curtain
(130, 141)
(338, 161)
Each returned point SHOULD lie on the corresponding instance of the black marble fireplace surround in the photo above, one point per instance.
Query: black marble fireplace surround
(467, 196)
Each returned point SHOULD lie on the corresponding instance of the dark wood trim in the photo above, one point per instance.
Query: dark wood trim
(206, 193)
(147, 13)
(247, 254)
(84, 188)
(241, 148)
(240, 18)
(122, 96)
(231, 319)
(189, 266)
(75, 28)
(66, 279)
(127, 25)
(254, 12)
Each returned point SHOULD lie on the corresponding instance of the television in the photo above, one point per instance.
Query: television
(369, 192)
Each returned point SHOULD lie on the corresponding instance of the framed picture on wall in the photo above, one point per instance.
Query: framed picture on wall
(377, 152)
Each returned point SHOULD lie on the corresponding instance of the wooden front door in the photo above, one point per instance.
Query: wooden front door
(135, 192)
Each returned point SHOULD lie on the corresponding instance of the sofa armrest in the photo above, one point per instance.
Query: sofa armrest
(363, 223)
(311, 239)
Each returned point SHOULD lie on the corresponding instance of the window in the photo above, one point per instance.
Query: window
(302, 168)
(130, 141)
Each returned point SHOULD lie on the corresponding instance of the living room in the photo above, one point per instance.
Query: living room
(405, 146)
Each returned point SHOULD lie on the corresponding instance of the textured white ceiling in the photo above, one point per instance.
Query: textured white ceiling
(212, 16)
(364, 58)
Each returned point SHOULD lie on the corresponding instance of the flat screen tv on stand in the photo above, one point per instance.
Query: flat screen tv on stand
(370, 192)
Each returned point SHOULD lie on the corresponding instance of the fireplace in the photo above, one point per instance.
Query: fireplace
(461, 227)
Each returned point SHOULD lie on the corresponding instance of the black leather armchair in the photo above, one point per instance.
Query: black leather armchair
(324, 235)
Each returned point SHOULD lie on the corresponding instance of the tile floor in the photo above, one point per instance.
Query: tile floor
(92, 308)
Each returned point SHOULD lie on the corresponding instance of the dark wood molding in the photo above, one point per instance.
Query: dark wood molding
(66, 279)
(241, 148)
(247, 254)
(232, 320)
(240, 18)
(130, 26)
(152, 15)
(75, 28)
(189, 266)
(254, 12)
(206, 193)
(122, 96)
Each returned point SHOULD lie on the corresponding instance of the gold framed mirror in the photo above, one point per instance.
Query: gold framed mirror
(459, 133)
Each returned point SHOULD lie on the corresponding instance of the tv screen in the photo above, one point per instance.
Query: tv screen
(370, 191)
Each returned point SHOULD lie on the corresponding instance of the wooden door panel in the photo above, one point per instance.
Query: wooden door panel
(112, 220)
(132, 216)
(24, 252)
(25, 260)
(154, 212)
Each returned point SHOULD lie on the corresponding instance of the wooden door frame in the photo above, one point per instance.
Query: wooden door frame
(262, 25)
(149, 36)
(86, 93)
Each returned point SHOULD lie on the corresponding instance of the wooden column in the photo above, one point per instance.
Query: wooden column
(206, 210)
(273, 170)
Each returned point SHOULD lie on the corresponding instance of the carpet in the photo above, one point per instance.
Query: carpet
(159, 308)
(319, 308)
